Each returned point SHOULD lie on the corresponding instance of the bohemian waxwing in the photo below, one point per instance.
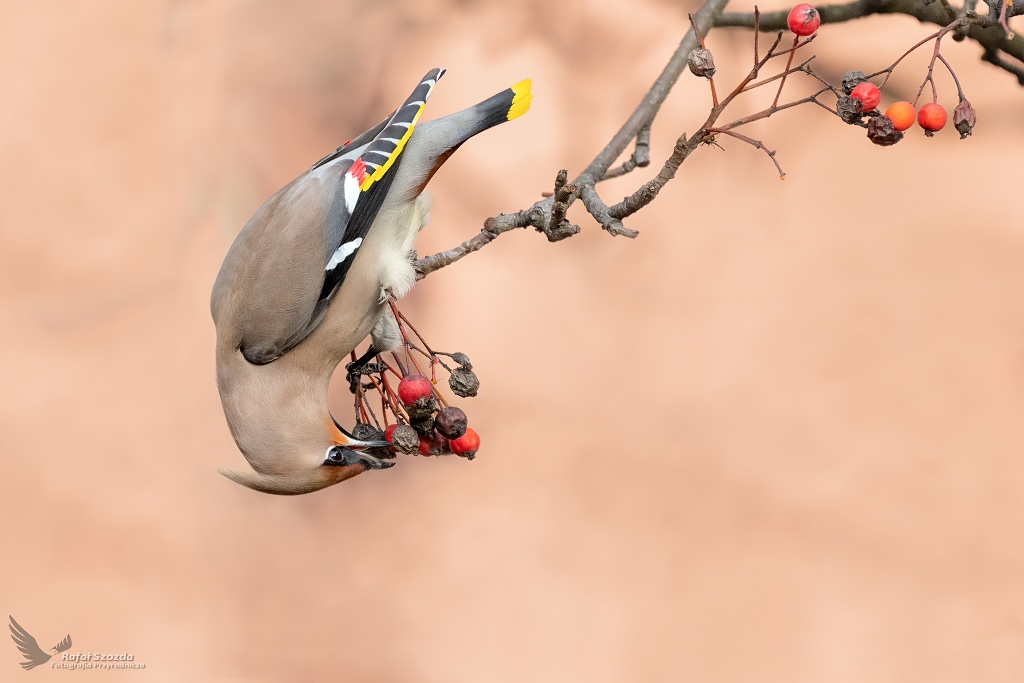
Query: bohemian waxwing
(308, 278)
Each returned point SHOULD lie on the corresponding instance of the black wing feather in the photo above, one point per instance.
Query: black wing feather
(358, 225)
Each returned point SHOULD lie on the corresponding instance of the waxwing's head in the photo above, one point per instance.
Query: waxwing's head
(314, 470)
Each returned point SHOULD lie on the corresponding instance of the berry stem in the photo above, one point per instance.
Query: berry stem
(959, 90)
(757, 31)
(398, 314)
(756, 143)
(782, 84)
(700, 40)
(776, 77)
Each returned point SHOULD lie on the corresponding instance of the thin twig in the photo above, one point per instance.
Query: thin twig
(756, 143)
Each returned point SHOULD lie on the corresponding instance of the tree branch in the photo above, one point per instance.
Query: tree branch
(988, 34)
(548, 214)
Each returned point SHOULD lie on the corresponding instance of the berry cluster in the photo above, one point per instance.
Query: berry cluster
(862, 97)
(857, 99)
(415, 418)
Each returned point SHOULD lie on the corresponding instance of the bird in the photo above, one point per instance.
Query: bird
(30, 648)
(310, 276)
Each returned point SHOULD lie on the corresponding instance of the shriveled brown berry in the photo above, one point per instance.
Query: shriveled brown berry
(432, 444)
(464, 382)
(424, 425)
(367, 432)
(849, 110)
(406, 439)
(422, 408)
(964, 118)
(851, 79)
(882, 132)
(462, 359)
(451, 422)
(701, 62)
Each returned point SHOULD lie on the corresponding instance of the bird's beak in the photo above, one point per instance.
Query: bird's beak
(356, 443)
(373, 463)
(342, 455)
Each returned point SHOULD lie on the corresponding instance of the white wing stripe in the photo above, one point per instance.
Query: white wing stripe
(351, 189)
(343, 252)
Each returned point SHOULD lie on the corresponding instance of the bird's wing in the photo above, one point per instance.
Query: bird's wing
(64, 644)
(366, 182)
(292, 257)
(28, 646)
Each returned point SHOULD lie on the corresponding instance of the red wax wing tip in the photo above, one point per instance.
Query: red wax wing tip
(358, 170)
(347, 143)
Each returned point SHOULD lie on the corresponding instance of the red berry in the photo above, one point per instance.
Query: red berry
(389, 433)
(434, 444)
(902, 115)
(465, 445)
(413, 387)
(868, 95)
(803, 19)
(932, 117)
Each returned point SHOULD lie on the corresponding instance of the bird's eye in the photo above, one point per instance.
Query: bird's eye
(335, 454)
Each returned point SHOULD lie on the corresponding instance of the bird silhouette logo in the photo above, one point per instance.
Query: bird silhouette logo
(30, 648)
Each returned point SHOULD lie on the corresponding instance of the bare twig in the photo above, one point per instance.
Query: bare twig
(756, 143)
(564, 194)
(641, 155)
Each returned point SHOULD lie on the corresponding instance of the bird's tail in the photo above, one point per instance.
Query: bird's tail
(436, 140)
(505, 106)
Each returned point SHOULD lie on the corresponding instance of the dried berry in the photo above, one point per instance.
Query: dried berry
(367, 432)
(466, 445)
(701, 62)
(462, 359)
(964, 118)
(451, 422)
(406, 439)
(464, 382)
(803, 20)
(422, 408)
(851, 79)
(882, 132)
(432, 444)
(867, 94)
(902, 114)
(413, 387)
(932, 118)
(849, 110)
(389, 433)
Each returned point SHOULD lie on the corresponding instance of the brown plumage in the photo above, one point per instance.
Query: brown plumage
(307, 280)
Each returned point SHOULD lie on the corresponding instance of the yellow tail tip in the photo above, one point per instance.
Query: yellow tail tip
(520, 99)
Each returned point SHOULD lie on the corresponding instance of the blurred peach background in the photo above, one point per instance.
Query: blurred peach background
(775, 438)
